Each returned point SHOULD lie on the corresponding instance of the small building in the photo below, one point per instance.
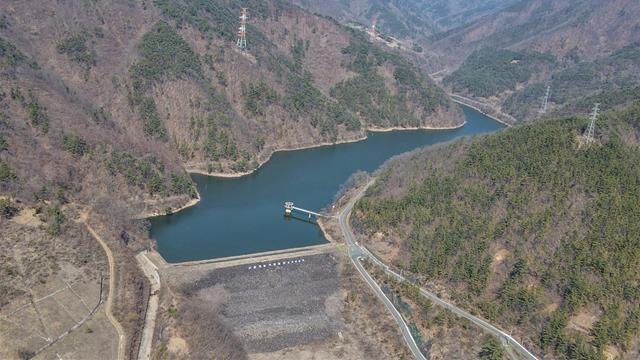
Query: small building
(288, 207)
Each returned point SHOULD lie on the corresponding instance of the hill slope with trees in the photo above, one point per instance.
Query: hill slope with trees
(528, 227)
(104, 105)
(590, 47)
(588, 29)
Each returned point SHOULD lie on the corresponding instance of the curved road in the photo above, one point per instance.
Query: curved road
(112, 288)
(356, 252)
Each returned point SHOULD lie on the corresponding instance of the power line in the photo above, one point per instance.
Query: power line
(242, 30)
(545, 101)
(588, 135)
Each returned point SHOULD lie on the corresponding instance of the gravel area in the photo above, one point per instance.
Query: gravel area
(276, 304)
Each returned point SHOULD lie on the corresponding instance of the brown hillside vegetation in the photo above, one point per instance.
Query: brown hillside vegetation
(411, 19)
(156, 85)
(579, 49)
(528, 227)
(104, 104)
(592, 28)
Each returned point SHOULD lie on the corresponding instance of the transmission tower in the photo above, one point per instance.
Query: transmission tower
(242, 31)
(545, 101)
(587, 137)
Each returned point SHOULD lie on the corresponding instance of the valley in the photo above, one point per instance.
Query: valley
(468, 209)
(245, 215)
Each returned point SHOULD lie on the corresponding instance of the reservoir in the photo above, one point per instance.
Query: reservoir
(245, 215)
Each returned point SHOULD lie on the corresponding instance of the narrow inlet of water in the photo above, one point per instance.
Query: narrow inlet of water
(245, 215)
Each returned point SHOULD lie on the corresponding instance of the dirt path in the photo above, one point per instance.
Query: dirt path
(112, 286)
(151, 271)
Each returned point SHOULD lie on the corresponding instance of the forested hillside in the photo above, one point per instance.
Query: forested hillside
(509, 58)
(235, 108)
(581, 83)
(518, 80)
(125, 95)
(529, 227)
(104, 105)
(491, 71)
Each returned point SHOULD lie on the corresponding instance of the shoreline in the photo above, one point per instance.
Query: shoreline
(328, 237)
(398, 128)
(189, 204)
(325, 232)
(192, 170)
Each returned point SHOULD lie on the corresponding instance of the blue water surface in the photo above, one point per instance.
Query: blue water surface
(245, 215)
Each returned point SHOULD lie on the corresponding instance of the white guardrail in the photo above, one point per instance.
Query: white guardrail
(476, 320)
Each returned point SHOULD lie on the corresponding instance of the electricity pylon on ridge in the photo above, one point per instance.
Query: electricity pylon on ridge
(588, 135)
(242, 30)
(545, 101)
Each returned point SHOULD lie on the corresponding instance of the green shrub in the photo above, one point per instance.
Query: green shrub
(54, 218)
(298, 53)
(218, 144)
(6, 174)
(7, 209)
(10, 54)
(74, 144)
(181, 184)
(76, 49)
(163, 53)
(152, 124)
(36, 112)
(259, 96)
(492, 349)
(149, 174)
(172, 311)
(302, 94)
